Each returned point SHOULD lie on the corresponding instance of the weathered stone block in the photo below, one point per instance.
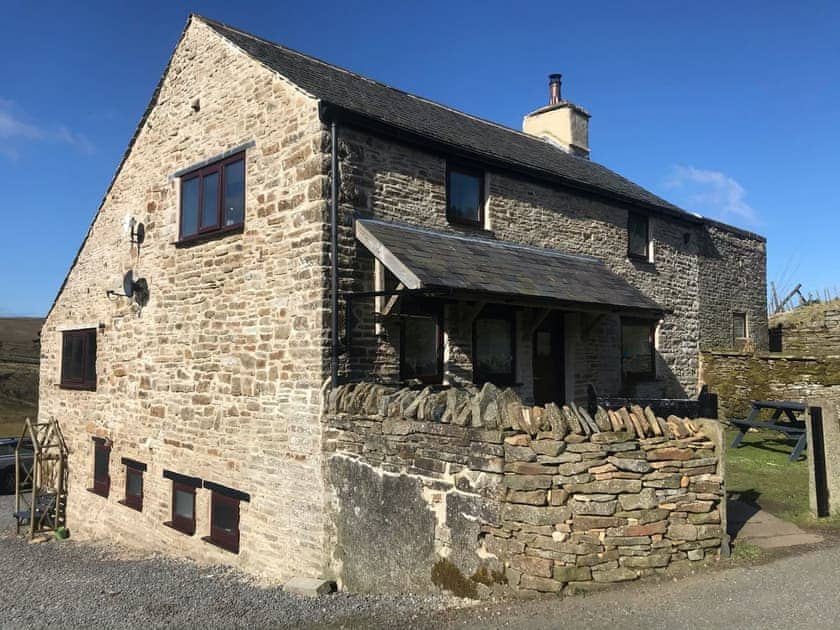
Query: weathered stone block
(682, 532)
(572, 574)
(535, 515)
(608, 486)
(644, 500)
(650, 561)
(552, 448)
(544, 585)
(630, 464)
(593, 508)
(621, 574)
(530, 497)
(531, 565)
(527, 482)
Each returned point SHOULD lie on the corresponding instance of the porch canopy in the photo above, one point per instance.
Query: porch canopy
(478, 268)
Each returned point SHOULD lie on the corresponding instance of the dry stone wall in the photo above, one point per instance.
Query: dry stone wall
(737, 378)
(817, 336)
(471, 491)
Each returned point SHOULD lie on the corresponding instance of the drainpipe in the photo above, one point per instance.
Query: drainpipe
(334, 256)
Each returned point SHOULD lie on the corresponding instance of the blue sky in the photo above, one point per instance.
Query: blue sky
(728, 109)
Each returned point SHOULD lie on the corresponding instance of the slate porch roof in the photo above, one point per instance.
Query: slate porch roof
(427, 259)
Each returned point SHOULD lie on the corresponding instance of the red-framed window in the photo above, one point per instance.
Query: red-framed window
(224, 516)
(101, 467)
(183, 507)
(213, 198)
(133, 484)
(78, 359)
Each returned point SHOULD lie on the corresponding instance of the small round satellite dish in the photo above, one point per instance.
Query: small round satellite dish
(128, 283)
(140, 234)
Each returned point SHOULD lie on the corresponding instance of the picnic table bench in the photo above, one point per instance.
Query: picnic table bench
(784, 420)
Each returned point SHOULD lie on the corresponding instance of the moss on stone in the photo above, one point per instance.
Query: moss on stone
(447, 576)
(488, 577)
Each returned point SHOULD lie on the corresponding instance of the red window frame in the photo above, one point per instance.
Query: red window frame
(101, 484)
(218, 536)
(217, 167)
(88, 380)
(185, 525)
(135, 501)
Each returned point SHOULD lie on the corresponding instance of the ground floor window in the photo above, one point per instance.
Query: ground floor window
(101, 466)
(637, 349)
(739, 325)
(421, 344)
(133, 484)
(224, 516)
(183, 501)
(494, 347)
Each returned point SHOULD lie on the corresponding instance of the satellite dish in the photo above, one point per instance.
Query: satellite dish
(128, 283)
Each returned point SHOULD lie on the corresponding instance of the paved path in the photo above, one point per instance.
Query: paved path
(748, 524)
(793, 592)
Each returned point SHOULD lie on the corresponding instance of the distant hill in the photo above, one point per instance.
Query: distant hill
(19, 362)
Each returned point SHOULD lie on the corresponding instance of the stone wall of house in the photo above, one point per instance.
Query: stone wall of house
(739, 377)
(472, 492)
(220, 375)
(393, 181)
(733, 278)
(818, 335)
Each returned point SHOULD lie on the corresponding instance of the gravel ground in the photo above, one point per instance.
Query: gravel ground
(69, 584)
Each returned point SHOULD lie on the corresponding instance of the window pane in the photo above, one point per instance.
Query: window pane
(189, 207)
(210, 200)
(636, 349)
(494, 346)
(234, 209)
(740, 325)
(183, 504)
(133, 483)
(637, 235)
(72, 358)
(421, 347)
(100, 466)
(225, 515)
(90, 358)
(464, 196)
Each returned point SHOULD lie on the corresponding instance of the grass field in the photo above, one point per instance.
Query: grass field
(759, 473)
(19, 358)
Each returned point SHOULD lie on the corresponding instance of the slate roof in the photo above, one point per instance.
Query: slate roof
(427, 259)
(403, 111)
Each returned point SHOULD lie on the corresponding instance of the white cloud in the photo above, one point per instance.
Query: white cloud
(711, 193)
(15, 129)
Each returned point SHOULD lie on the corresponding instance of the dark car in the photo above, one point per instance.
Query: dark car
(7, 462)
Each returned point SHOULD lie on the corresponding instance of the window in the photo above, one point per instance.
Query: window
(183, 502)
(638, 236)
(78, 359)
(637, 349)
(421, 345)
(739, 325)
(213, 198)
(494, 348)
(133, 484)
(101, 467)
(465, 195)
(224, 516)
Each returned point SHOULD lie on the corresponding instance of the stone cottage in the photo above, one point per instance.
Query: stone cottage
(279, 226)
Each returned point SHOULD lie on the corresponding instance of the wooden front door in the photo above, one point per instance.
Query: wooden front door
(549, 361)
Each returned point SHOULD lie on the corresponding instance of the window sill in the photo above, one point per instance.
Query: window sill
(82, 388)
(130, 506)
(172, 525)
(98, 493)
(209, 236)
(220, 545)
(635, 258)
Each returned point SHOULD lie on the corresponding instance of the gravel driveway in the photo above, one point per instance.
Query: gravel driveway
(69, 584)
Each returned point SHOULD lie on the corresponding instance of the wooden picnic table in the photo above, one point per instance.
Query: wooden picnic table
(784, 420)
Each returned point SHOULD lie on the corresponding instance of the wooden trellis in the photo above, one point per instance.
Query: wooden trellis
(41, 489)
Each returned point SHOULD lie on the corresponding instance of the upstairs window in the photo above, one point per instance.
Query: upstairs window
(637, 349)
(739, 325)
(638, 236)
(78, 359)
(494, 348)
(464, 195)
(213, 198)
(421, 345)
(101, 467)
